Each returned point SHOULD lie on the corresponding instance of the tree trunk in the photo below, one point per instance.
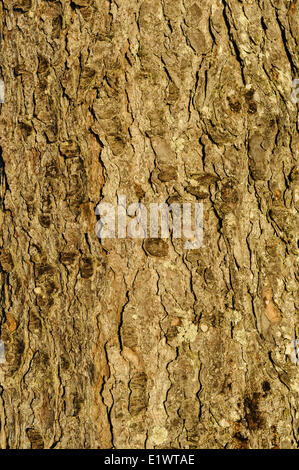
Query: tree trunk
(141, 343)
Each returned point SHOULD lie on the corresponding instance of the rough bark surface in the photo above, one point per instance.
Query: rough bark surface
(141, 343)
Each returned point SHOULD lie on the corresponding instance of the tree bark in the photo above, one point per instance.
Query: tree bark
(132, 343)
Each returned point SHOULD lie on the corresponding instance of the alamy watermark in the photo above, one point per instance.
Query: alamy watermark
(2, 352)
(2, 91)
(162, 220)
(295, 352)
(295, 93)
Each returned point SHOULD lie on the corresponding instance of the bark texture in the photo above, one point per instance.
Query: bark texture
(141, 343)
